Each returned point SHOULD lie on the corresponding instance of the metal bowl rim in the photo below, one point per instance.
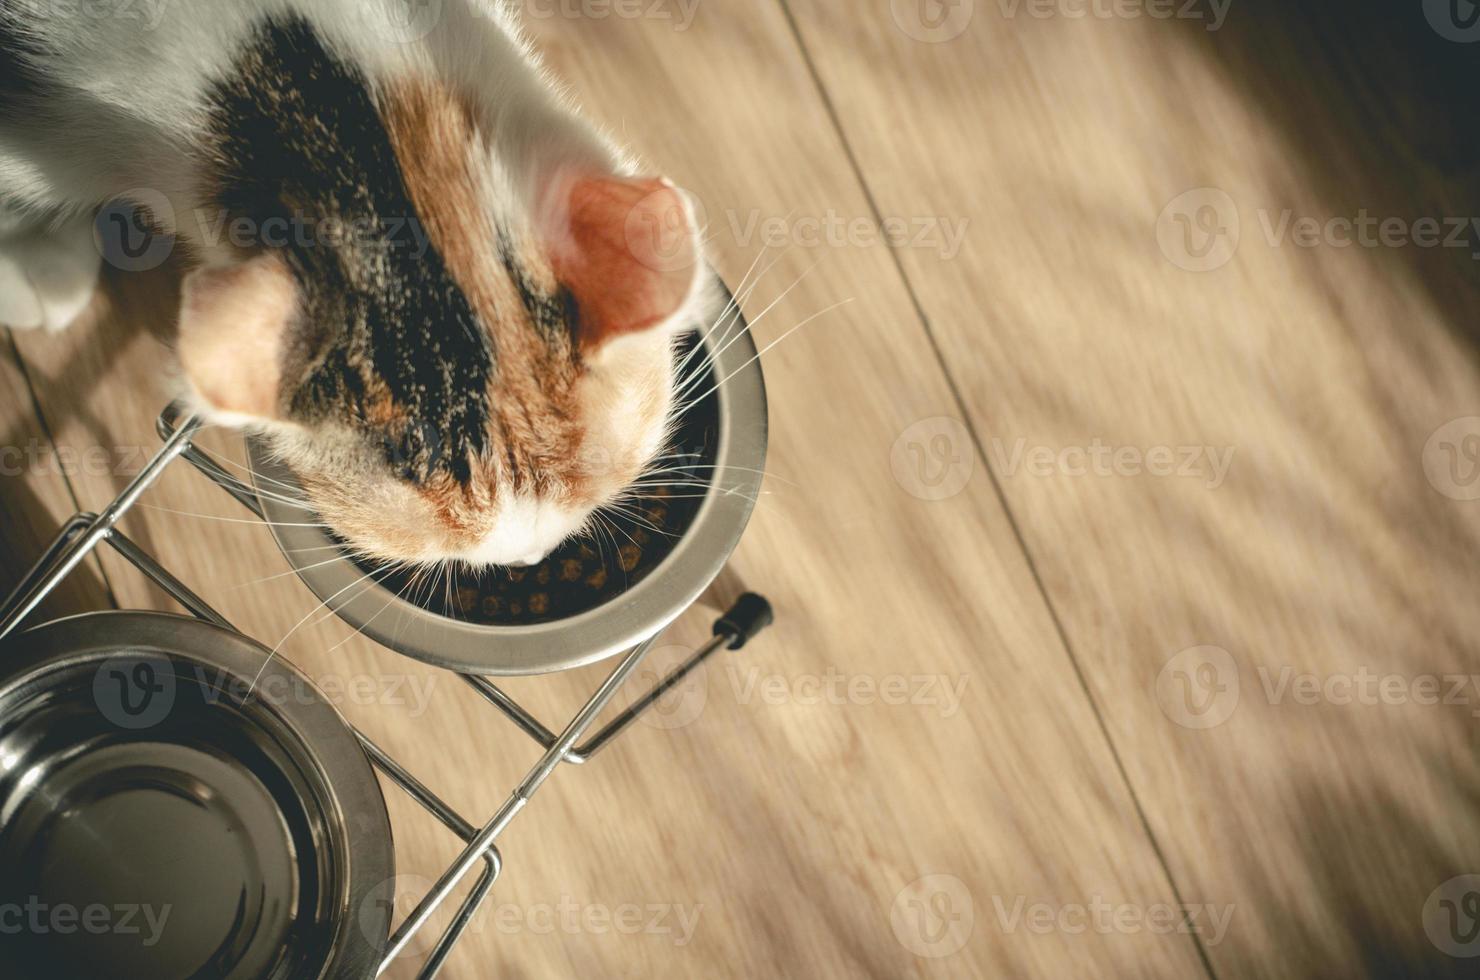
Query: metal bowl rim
(588, 637)
(321, 740)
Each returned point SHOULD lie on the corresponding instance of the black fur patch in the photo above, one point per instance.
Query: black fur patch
(555, 317)
(20, 84)
(301, 141)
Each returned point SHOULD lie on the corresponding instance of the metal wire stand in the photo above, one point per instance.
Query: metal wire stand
(84, 532)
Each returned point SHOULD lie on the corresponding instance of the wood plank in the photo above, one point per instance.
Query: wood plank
(792, 835)
(35, 498)
(1326, 550)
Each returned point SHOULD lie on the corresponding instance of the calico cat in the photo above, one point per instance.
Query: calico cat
(446, 300)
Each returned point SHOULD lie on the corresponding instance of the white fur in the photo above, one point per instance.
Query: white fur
(129, 123)
(47, 273)
(127, 106)
(134, 89)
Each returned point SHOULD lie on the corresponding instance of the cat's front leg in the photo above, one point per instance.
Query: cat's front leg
(48, 270)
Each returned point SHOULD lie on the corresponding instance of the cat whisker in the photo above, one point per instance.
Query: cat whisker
(273, 653)
(732, 307)
(766, 348)
(689, 386)
(732, 312)
(229, 520)
(291, 571)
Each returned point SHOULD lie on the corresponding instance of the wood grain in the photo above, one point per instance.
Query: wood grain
(1325, 819)
(791, 804)
(35, 497)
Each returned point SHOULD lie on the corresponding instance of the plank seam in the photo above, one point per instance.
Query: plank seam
(36, 410)
(853, 162)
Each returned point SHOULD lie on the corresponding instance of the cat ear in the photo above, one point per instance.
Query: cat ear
(626, 248)
(232, 325)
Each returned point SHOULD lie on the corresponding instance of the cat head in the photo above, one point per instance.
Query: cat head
(480, 354)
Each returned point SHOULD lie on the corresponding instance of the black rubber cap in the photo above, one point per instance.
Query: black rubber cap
(749, 615)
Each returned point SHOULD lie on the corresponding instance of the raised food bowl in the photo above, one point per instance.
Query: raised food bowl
(158, 822)
(589, 599)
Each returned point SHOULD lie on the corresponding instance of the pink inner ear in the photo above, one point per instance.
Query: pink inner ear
(232, 322)
(628, 257)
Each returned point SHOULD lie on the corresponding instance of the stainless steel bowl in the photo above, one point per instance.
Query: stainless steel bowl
(736, 413)
(156, 822)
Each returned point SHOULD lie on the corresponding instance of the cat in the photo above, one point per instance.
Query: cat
(447, 301)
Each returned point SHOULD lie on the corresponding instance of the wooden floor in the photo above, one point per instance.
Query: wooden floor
(1126, 578)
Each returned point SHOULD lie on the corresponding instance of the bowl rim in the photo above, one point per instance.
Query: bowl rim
(597, 633)
(318, 738)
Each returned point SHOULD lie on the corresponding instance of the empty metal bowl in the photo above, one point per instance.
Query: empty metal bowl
(722, 442)
(158, 822)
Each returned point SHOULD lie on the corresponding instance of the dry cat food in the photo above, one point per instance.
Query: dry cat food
(580, 575)
(593, 569)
